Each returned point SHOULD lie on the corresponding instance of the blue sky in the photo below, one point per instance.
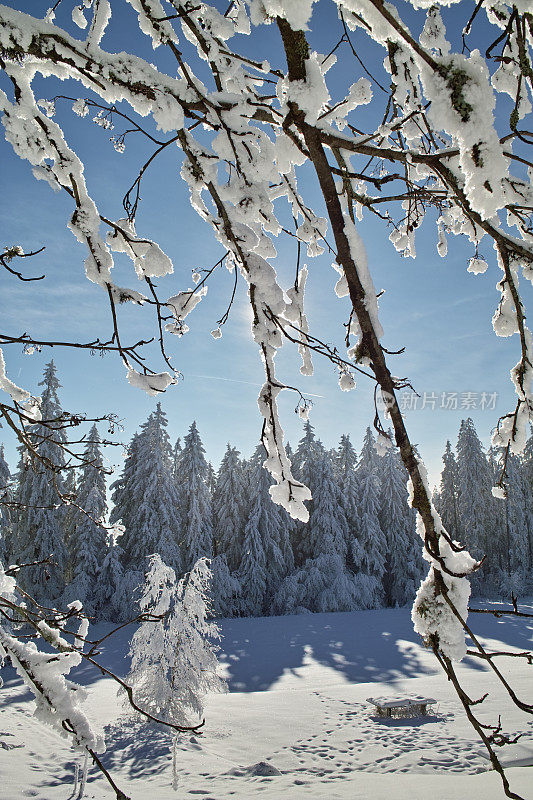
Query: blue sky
(435, 309)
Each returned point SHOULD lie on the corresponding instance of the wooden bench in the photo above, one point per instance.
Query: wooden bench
(401, 706)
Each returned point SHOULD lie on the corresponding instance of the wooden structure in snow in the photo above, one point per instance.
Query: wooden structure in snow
(401, 706)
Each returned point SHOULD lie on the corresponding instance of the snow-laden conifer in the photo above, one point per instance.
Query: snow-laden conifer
(195, 667)
(475, 503)
(225, 588)
(150, 512)
(345, 470)
(304, 462)
(303, 459)
(228, 504)
(403, 559)
(153, 648)
(369, 457)
(40, 528)
(323, 583)
(107, 598)
(125, 489)
(252, 573)
(174, 660)
(197, 528)
(371, 536)
(88, 538)
(6, 514)
(527, 475)
(69, 520)
(176, 451)
(448, 493)
(273, 524)
(211, 479)
(513, 538)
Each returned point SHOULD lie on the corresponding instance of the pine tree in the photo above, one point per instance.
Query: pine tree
(304, 462)
(252, 574)
(150, 512)
(211, 479)
(152, 649)
(225, 588)
(495, 574)
(446, 502)
(274, 524)
(88, 540)
(403, 561)
(6, 514)
(323, 583)
(345, 464)
(174, 661)
(69, 522)
(176, 452)
(527, 477)
(196, 500)
(264, 556)
(108, 600)
(475, 503)
(40, 527)
(327, 521)
(195, 664)
(228, 508)
(370, 534)
(369, 458)
(515, 556)
(124, 489)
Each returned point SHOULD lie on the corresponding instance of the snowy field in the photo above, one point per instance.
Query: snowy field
(295, 722)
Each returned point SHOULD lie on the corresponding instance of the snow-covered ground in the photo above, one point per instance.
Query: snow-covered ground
(295, 723)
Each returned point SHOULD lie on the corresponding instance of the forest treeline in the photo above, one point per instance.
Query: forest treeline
(359, 549)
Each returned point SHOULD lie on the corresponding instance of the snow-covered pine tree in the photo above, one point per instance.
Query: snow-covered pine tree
(495, 575)
(344, 465)
(193, 635)
(303, 459)
(176, 451)
(69, 521)
(123, 490)
(174, 661)
(527, 475)
(88, 538)
(527, 464)
(369, 458)
(323, 582)
(515, 558)
(153, 649)
(289, 452)
(147, 499)
(225, 588)
(6, 514)
(40, 527)
(211, 479)
(229, 499)
(197, 529)
(371, 536)
(304, 462)
(476, 504)
(403, 560)
(275, 525)
(327, 521)
(252, 573)
(446, 500)
(109, 601)
(264, 556)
